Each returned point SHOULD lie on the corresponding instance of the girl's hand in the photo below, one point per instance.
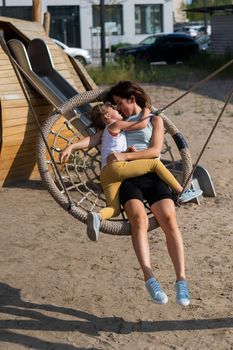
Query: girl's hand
(116, 157)
(131, 149)
(64, 155)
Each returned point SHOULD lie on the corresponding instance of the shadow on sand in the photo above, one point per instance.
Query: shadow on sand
(34, 317)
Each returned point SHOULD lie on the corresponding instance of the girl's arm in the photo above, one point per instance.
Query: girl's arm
(86, 142)
(121, 125)
(154, 151)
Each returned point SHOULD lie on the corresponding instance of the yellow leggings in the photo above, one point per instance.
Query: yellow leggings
(113, 174)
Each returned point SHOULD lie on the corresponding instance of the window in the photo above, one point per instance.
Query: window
(148, 19)
(19, 12)
(150, 41)
(113, 19)
(65, 24)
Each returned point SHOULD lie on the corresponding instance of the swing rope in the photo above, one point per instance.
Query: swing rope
(195, 86)
(209, 137)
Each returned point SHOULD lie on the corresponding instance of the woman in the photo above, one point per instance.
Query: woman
(148, 143)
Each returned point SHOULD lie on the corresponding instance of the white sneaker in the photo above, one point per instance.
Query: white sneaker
(93, 226)
(189, 194)
(182, 293)
(156, 292)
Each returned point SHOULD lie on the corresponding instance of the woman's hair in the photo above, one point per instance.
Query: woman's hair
(96, 116)
(127, 89)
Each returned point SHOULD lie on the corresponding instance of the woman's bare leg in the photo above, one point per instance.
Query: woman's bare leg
(138, 219)
(165, 213)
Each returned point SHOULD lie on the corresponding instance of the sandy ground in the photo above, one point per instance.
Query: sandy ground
(60, 291)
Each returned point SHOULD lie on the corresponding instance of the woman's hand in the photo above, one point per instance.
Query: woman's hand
(64, 155)
(116, 157)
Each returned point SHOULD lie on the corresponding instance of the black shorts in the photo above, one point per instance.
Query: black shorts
(149, 187)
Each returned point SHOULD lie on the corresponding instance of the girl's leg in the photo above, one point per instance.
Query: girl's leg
(165, 213)
(113, 174)
(111, 192)
(125, 170)
(111, 186)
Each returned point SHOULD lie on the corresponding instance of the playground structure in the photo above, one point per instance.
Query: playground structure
(18, 128)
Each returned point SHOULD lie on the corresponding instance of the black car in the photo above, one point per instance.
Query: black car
(161, 47)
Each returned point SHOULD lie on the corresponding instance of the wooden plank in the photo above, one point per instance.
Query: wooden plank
(7, 73)
(8, 88)
(6, 66)
(11, 136)
(18, 162)
(19, 129)
(17, 140)
(3, 55)
(60, 66)
(9, 80)
(24, 118)
(22, 112)
(19, 159)
(57, 59)
(19, 173)
(22, 121)
(7, 181)
(9, 102)
(10, 151)
(4, 60)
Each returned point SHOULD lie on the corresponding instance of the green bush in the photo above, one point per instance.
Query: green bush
(143, 72)
(116, 46)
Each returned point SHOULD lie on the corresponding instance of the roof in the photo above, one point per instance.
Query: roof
(212, 9)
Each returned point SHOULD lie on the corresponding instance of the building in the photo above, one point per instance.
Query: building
(179, 13)
(77, 22)
(221, 21)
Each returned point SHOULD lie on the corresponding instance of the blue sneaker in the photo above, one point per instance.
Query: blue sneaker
(156, 292)
(182, 293)
(189, 194)
(93, 226)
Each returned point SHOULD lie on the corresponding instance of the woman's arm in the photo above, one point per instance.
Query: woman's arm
(86, 142)
(121, 125)
(154, 151)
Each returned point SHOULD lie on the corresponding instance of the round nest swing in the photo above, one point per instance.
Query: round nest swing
(76, 187)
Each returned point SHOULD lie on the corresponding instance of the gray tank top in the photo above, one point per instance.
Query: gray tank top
(139, 138)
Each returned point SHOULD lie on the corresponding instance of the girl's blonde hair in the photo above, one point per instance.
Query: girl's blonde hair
(97, 115)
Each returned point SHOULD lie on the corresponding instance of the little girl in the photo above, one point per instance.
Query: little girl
(110, 126)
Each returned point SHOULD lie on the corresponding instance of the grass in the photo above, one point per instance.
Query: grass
(198, 68)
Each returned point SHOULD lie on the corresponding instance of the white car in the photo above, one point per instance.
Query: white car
(81, 55)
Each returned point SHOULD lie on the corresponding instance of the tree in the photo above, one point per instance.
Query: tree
(192, 16)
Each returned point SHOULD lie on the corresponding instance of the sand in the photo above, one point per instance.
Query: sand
(58, 290)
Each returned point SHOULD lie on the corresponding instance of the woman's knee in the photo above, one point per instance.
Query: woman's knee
(136, 214)
(165, 212)
(139, 221)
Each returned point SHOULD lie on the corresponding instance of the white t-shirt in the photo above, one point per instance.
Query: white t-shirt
(111, 144)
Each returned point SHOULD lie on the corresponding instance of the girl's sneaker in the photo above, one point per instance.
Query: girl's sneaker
(93, 226)
(189, 194)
